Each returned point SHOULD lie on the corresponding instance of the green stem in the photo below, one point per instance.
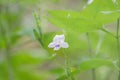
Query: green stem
(93, 74)
(118, 47)
(10, 68)
(7, 32)
(89, 44)
(38, 32)
(108, 32)
(90, 53)
(68, 72)
(7, 53)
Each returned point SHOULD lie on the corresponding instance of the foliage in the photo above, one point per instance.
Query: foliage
(89, 32)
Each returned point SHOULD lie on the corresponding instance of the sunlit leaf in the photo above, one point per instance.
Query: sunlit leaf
(93, 17)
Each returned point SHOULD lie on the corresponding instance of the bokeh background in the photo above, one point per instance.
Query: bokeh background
(23, 58)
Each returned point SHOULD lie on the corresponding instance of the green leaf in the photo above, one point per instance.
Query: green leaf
(36, 34)
(89, 64)
(2, 42)
(74, 24)
(89, 19)
(27, 75)
(3, 71)
(27, 58)
(95, 63)
(57, 71)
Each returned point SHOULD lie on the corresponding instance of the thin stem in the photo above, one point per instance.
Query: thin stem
(10, 68)
(93, 74)
(108, 32)
(99, 44)
(38, 24)
(89, 44)
(7, 53)
(68, 72)
(90, 52)
(38, 32)
(118, 50)
(67, 65)
(7, 31)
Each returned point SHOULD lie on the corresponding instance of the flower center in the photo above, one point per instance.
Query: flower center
(57, 45)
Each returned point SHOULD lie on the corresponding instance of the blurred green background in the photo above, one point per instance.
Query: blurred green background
(22, 57)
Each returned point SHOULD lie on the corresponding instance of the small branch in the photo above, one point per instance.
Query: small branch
(118, 47)
(108, 32)
(90, 52)
(10, 68)
(99, 44)
(68, 72)
(89, 44)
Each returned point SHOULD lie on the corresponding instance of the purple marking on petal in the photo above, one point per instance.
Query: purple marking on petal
(57, 45)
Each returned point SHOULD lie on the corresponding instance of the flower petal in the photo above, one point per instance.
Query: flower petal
(51, 45)
(90, 1)
(59, 38)
(58, 42)
(64, 45)
(57, 48)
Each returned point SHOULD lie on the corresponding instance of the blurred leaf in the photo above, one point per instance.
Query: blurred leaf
(24, 68)
(2, 42)
(37, 35)
(27, 58)
(57, 71)
(88, 19)
(47, 38)
(28, 75)
(72, 21)
(95, 63)
(15, 36)
(109, 47)
(3, 71)
(105, 13)
(88, 65)
(56, 1)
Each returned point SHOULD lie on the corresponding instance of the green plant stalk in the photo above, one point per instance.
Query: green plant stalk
(38, 24)
(6, 32)
(68, 72)
(118, 47)
(7, 53)
(10, 68)
(99, 44)
(38, 32)
(108, 32)
(90, 53)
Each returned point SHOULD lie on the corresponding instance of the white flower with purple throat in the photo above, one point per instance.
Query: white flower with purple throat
(58, 42)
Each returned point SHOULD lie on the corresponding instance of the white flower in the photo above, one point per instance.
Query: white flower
(58, 42)
(90, 1)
